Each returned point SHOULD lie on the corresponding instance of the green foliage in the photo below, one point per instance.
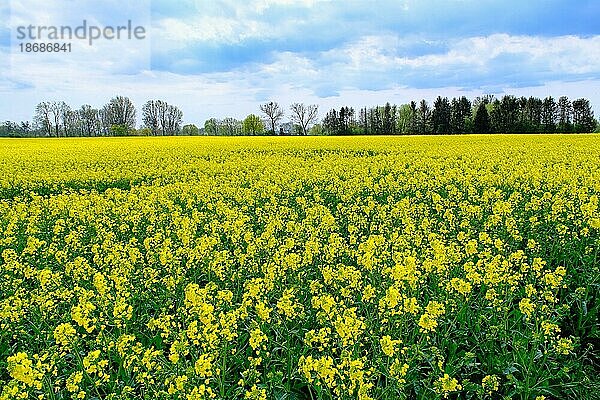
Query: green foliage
(190, 130)
(119, 130)
(253, 125)
(316, 130)
(210, 126)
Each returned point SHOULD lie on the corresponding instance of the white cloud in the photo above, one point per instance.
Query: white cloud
(242, 20)
(568, 54)
(208, 29)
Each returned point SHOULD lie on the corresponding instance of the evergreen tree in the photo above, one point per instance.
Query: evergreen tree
(460, 113)
(441, 116)
(565, 113)
(424, 118)
(362, 118)
(330, 122)
(482, 120)
(549, 114)
(583, 116)
(413, 123)
(387, 119)
(505, 115)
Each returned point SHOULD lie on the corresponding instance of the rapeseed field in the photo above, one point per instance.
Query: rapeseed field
(300, 268)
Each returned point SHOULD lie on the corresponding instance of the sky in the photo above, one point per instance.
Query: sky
(223, 58)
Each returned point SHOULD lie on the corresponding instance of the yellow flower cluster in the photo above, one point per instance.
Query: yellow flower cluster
(20, 367)
(446, 385)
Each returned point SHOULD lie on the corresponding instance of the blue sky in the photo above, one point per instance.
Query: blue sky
(223, 58)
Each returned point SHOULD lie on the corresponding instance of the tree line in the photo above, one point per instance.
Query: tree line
(485, 114)
(116, 118)
(58, 119)
(302, 117)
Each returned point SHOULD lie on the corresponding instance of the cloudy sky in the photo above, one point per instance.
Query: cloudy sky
(223, 58)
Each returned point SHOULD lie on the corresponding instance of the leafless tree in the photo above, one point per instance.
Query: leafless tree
(173, 119)
(105, 120)
(42, 118)
(90, 120)
(304, 115)
(161, 117)
(70, 121)
(232, 126)
(273, 112)
(25, 127)
(73, 124)
(161, 107)
(119, 111)
(57, 110)
(150, 116)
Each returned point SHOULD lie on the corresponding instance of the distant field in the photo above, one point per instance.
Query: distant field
(300, 267)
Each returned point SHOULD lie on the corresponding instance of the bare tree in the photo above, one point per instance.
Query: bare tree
(25, 127)
(150, 116)
(273, 112)
(161, 117)
(232, 126)
(161, 107)
(90, 120)
(72, 123)
(304, 115)
(172, 120)
(42, 117)
(120, 111)
(57, 110)
(105, 120)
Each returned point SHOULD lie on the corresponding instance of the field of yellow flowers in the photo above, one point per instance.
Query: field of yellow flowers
(300, 268)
